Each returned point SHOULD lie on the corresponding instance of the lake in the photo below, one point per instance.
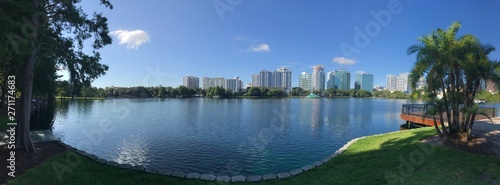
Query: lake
(221, 136)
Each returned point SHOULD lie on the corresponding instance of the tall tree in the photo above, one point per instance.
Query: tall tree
(44, 25)
(455, 68)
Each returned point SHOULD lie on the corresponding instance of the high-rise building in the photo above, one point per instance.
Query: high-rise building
(266, 79)
(283, 79)
(191, 82)
(234, 85)
(255, 80)
(330, 80)
(341, 79)
(402, 82)
(363, 81)
(305, 81)
(318, 78)
(213, 82)
(249, 85)
(390, 82)
(422, 83)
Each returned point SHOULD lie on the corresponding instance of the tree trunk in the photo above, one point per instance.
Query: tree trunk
(437, 127)
(23, 126)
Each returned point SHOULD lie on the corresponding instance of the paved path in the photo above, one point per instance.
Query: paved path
(36, 136)
(490, 131)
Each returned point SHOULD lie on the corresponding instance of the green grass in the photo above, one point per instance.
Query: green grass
(396, 158)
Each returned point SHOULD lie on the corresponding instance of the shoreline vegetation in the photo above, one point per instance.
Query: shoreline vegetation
(380, 159)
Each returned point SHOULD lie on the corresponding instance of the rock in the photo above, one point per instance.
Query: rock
(283, 175)
(193, 176)
(295, 172)
(93, 157)
(138, 168)
(150, 170)
(165, 172)
(102, 161)
(208, 177)
(112, 163)
(238, 178)
(307, 167)
(178, 174)
(223, 178)
(126, 166)
(268, 177)
(254, 178)
(319, 163)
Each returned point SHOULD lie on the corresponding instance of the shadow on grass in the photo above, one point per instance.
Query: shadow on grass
(396, 158)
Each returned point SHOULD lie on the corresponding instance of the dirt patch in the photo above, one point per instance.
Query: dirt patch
(25, 161)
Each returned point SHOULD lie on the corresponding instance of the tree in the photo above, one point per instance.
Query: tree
(254, 91)
(454, 67)
(42, 24)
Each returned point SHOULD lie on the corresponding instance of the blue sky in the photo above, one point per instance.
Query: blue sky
(159, 42)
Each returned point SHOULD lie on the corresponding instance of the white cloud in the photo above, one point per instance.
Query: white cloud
(343, 61)
(259, 48)
(133, 39)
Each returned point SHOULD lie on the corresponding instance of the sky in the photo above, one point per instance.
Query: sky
(159, 42)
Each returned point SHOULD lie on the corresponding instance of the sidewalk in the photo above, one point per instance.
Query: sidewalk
(490, 131)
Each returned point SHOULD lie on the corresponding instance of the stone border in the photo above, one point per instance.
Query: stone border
(224, 178)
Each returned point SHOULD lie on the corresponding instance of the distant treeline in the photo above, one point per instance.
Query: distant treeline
(64, 89)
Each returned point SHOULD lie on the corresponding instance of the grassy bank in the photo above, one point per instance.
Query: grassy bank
(80, 98)
(396, 158)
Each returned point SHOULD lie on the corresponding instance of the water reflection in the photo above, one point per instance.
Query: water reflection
(247, 136)
(132, 150)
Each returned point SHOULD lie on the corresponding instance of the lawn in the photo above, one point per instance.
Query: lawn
(395, 158)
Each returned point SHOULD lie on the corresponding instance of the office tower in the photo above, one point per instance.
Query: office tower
(422, 83)
(330, 80)
(213, 82)
(342, 79)
(255, 80)
(283, 79)
(266, 79)
(318, 78)
(402, 82)
(191, 82)
(234, 85)
(363, 81)
(390, 82)
(305, 81)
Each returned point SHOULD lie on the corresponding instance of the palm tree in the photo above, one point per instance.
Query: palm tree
(454, 68)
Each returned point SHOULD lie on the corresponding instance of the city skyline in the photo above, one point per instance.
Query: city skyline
(192, 38)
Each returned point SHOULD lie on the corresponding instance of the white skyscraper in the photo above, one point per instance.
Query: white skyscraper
(305, 81)
(213, 82)
(255, 80)
(283, 79)
(402, 82)
(318, 78)
(191, 82)
(266, 79)
(390, 82)
(234, 85)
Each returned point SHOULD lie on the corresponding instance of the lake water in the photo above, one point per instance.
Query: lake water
(222, 137)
